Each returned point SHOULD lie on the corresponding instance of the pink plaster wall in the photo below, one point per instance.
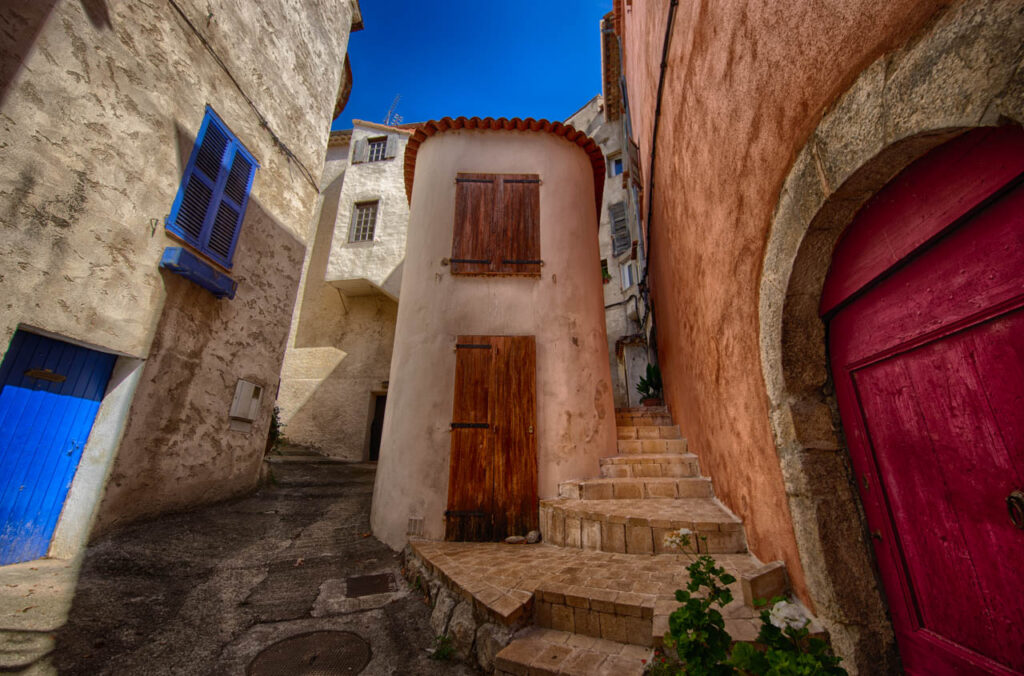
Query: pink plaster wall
(747, 82)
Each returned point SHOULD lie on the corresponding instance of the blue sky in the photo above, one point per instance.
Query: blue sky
(537, 58)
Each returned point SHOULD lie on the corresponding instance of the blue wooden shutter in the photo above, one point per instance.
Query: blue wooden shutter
(210, 205)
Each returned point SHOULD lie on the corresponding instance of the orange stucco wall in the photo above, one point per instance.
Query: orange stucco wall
(746, 84)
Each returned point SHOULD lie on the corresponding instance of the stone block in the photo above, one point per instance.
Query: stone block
(639, 540)
(587, 622)
(766, 582)
(660, 489)
(630, 447)
(569, 490)
(718, 542)
(490, 640)
(627, 490)
(629, 604)
(675, 446)
(590, 534)
(572, 532)
(670, 432)
(638, 630)
(592, 490)
(583, 662)
(603, 600)
(541, 613)
(613, 628)
(562, 618)
(615, 471)
(557, 534)
(442, 612)
(515, 658)
(654, 446)
(648, 432)
(462, 629)
(626, 432)
(549, 661)
(648, 470)
(613, 537)
(577, 597)
(694, 488)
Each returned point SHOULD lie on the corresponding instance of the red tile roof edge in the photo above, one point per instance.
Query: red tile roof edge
(425, 130)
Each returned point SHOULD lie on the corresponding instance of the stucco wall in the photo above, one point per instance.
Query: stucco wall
(746, 85)
(380, 261)
(563, 309)
(98, 117)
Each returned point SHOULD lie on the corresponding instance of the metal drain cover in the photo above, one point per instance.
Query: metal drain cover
(365, 585)
(318, 653)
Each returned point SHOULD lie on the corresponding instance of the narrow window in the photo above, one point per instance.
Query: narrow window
(214, 192)
(364, 222)
(605, 275)
(615, 165)
(377, 148)
(620, 231)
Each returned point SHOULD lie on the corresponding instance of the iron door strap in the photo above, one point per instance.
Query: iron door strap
(522, 262)
(472, 346)
(469, 426)
(474, 261)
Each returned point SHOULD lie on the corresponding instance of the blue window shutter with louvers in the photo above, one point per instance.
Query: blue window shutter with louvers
(210, 205)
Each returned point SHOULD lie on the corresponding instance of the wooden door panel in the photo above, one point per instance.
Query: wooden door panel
(513, 418)
(492, 478)
(471, 468)
(928, 363)
(947, 463)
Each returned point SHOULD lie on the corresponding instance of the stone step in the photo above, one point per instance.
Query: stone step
(623, 617)
(649, 432)
(639, 526)
(643, 419)
(650, 465)
(651, 446)
(537, 650)
(631, 489)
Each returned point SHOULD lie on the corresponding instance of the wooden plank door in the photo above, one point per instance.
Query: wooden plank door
(50, 392)
(929, 373)
(492, 479)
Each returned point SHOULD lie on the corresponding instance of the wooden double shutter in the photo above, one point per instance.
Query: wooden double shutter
(492, 479)
(497, 225)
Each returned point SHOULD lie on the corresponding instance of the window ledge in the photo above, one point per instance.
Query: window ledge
(183, 262)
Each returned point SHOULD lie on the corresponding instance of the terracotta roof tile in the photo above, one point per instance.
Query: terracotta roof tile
(425, 130)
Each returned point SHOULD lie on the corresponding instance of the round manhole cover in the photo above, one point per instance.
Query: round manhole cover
(318, 653)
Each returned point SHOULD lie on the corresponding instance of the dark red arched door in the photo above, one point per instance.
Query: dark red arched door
(925, 310)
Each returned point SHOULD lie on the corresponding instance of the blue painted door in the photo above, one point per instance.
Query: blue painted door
(49, 394)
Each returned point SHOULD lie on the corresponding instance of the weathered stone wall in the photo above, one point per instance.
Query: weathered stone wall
(746, 85)
(101, 104)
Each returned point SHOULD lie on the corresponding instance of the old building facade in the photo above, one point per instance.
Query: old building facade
(779, 134)
(335, 377)
(135, 136)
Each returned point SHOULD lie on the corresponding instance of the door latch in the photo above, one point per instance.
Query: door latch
(1015, 505)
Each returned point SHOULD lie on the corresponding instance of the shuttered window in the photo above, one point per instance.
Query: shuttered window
(375, 149)
(364, 222)
(497, 225)
(214, 192)
(620, 230)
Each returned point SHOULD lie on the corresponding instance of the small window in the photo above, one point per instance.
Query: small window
(605, 275)
(628, 272)
(620, 230)
(616, 166)
(364, 222)
(214, 192)
(377, 148)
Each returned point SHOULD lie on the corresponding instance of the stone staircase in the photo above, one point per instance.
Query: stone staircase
(586, 624)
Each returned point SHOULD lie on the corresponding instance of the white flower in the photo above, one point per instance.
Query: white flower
(678, 538)
(785, 614)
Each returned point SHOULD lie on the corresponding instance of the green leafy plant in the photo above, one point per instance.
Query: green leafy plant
(650, 387)
(697, 643)
(275, 436)
(444, 649)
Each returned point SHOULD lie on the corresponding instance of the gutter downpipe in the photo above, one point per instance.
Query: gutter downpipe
(654, 151)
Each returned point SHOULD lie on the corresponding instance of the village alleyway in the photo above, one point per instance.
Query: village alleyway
(206, 591)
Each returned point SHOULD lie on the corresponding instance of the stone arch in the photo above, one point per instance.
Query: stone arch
(966, 70)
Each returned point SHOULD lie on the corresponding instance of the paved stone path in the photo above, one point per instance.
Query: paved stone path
(205, 592)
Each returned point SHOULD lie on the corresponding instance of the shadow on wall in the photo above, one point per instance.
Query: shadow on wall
(320, 301)
(178, 450)
(332, 415)
(21, 23)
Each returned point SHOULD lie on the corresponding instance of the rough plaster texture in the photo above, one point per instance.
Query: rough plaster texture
(100, 105)
(353, 264)
(721, 165)
(563, 309)
(339, 352)
(620, 310)
(902, 106)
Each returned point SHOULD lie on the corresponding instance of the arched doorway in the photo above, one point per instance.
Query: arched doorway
(924, 303)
